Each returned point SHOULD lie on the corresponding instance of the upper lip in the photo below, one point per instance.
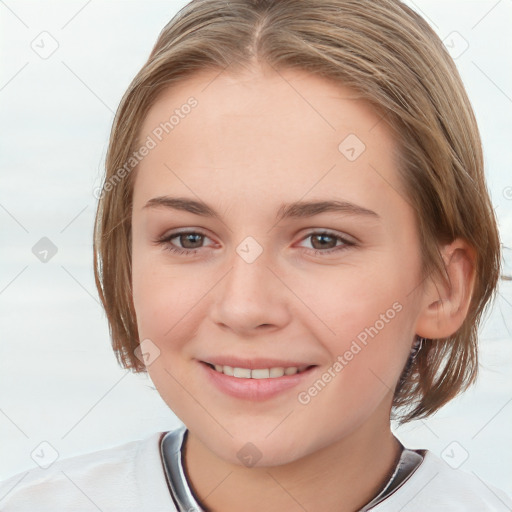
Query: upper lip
(255, 363)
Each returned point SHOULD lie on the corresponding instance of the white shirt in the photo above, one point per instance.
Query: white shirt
(131, 478)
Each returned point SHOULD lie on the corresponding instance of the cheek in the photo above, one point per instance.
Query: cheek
(169, 301)
(344, 301)
(161, 297)
(366, 323)
(168, 308)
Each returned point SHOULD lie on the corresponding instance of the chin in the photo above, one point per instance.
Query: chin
(255, 447)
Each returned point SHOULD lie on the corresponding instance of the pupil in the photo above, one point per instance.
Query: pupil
(190, 238)
(323, 238)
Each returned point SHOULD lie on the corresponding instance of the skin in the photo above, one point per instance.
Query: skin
(255, 141)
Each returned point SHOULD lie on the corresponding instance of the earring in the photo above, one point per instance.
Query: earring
(418, 345)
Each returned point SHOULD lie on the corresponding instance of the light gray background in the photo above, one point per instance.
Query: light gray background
(59, 381)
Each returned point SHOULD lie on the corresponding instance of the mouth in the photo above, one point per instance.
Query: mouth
(257, 383)
(273, 372)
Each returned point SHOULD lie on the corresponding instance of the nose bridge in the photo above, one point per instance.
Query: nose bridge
(247, 275)
(250, 294)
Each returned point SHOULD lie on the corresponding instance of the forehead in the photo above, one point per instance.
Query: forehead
(288, 133)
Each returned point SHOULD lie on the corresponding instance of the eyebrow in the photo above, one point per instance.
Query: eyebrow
(296, 209)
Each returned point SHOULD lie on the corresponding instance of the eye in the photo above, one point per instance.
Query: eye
(189, 242)
(324, 242)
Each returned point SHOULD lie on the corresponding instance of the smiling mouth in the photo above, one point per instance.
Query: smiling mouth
(258, 373)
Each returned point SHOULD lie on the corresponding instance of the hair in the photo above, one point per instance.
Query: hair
(393, 59)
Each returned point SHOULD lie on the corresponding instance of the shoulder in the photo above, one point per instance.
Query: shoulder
(119, 478)
(436, 486)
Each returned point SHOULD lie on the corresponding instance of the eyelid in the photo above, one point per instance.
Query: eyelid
(347, 240)
(168, 236)
(345, 237)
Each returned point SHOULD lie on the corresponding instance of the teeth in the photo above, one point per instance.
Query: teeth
(276, 372)
(264, 373)
(260, 373)
(244, 373)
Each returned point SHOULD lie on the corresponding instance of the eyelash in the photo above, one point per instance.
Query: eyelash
(168, 246)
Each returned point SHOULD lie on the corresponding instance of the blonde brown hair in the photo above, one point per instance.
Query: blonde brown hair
(391, 56)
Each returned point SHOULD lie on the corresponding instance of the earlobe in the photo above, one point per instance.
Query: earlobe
(445, 304)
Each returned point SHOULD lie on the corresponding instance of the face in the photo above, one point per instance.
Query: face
(271, 233)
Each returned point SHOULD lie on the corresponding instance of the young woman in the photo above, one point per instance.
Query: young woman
(296, 241)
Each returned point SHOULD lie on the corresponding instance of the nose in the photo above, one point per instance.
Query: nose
(251, 299)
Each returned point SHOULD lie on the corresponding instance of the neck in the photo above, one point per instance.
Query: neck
(342, 477)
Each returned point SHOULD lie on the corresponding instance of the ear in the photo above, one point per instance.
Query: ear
(445, 305)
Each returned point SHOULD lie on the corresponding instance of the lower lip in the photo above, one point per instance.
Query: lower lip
(254, 389)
